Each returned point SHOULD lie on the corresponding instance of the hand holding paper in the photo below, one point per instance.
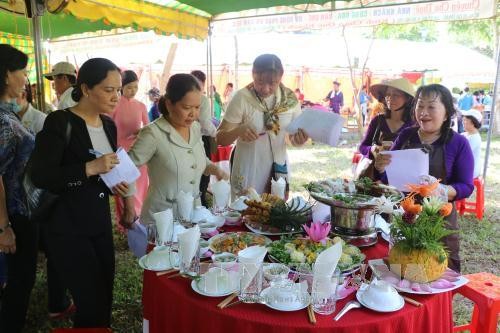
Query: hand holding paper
(406, 167)
(321, 126)
(125, 171)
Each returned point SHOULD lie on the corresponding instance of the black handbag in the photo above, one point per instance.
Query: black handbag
(40, 202)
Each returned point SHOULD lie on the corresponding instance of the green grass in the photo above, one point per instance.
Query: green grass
(479, 245)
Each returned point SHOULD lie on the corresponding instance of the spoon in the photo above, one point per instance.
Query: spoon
(349, 306)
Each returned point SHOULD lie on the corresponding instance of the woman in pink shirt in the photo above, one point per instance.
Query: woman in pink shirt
(130, 116)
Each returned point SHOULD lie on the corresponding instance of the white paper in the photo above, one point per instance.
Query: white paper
(250, 260)
(185, 203)
(278, 187)
(125, 171)
(406, 167)
(188, 244)
(321, 126)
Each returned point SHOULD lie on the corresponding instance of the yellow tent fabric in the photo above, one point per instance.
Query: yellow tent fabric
(143, 15)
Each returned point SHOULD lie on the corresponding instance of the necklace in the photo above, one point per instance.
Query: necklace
(428, 141)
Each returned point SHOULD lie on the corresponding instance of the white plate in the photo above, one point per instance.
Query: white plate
(267, 233)
(142, 264)
(305, 297)
(194, 286)
(457, 284)
(397, 307)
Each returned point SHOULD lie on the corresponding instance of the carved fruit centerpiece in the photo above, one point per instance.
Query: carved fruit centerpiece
(418, 253)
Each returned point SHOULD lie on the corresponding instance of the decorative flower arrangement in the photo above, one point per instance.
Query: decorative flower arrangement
(417, 236)
(318, 232)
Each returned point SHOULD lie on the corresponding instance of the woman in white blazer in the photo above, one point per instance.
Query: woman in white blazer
(171, 147)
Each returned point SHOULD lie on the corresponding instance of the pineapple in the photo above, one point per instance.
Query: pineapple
(289, 216)
(418, 253)
(417, 265)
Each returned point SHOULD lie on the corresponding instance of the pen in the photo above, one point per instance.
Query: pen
(95, 153)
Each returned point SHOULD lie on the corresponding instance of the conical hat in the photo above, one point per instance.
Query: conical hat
(378, 90)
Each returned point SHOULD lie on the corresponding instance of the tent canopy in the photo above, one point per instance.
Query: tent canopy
(163, 17)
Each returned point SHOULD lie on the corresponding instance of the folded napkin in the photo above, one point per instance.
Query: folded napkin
(222, 192)
(188, 244)
(164, 222)
(381, 224)
(278, 187)
(185, 202)
(323, 270)
(250, 260)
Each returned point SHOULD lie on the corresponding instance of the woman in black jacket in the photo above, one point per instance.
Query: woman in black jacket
(74, 147)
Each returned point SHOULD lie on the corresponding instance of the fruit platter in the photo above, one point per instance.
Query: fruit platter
(299, 251)
(270, 215)
(233, 242)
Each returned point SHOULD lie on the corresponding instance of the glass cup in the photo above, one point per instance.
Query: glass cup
(151, 234)
(250, 282)
(189, 266)
(323, 289)
(324, 293)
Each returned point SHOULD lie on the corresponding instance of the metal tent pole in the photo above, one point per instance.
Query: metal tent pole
(36, 19)
(492, 116)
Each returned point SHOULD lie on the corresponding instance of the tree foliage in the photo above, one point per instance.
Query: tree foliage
(419, 32)
(480, 35)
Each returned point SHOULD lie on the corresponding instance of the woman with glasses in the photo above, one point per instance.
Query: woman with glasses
(397, 98)
(450, 155)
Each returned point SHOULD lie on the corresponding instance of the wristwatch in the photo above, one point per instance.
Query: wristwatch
(2, 229)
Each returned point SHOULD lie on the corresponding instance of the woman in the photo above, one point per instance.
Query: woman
(256, 119)
(18, 235)
(173, 150)
(396, 96)
(472, 123)
(80, 239)
(450, 156)
(130, 116)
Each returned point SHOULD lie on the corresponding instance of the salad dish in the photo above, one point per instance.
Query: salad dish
(234, 242)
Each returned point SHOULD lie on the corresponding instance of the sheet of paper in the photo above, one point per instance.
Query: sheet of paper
(321, 126)
(406, 167)
(125, 171)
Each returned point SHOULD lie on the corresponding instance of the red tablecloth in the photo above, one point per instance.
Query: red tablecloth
(171, 306)
(223, 153)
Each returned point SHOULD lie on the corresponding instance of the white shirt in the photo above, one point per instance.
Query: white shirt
(65, 101)
(33, 119)
(475, 145)
(253, 161)
(205, 119)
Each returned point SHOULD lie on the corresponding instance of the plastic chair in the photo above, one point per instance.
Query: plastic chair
(477, 207)
(484, 290)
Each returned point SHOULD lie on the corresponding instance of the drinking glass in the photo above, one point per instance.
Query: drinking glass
(324, 293)
(250, 282)
(188, 266)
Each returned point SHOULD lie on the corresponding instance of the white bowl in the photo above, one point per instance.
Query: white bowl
(275, 271)
(200, 213)
(381, 295)
(232, 218)
(239, 204)
(159, 259)
(204, 247)
(224, 260)
(207, 227)
(217, 220)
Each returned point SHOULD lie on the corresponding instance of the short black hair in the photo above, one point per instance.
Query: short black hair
(436, 90)
(92, 72)
(177, 87)
(230, 84)
(11, 60)
(71, 78)
(474, 121)
(128, 76)
(199, 75)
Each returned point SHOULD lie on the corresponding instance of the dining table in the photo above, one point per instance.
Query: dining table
(170, 305)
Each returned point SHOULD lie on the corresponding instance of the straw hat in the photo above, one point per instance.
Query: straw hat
(62, 67)
(378, 90)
